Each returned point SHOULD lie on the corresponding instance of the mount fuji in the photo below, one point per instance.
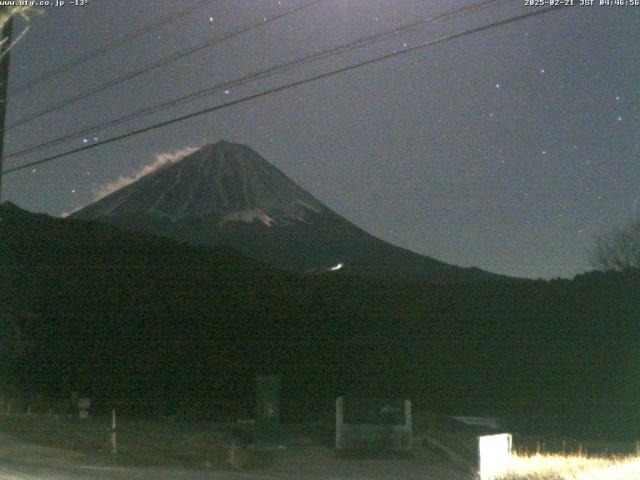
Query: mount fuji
(227, 194)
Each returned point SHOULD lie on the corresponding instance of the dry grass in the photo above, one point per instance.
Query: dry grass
(572, 467)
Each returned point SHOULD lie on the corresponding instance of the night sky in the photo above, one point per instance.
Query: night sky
(509, 150)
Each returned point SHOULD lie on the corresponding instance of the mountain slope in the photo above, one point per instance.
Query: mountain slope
(225, 182)
(227, 194)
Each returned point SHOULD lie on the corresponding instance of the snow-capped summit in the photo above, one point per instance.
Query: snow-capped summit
(227, 194)
(223, 181)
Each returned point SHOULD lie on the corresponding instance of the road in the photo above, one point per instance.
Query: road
(29, 462)
(22, 471)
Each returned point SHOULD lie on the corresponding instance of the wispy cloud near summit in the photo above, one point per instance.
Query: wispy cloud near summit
(161, 159)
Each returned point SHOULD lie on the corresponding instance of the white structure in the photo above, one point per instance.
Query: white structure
(494, 453)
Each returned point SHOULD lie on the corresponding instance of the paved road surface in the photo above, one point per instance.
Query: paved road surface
(21, 471)
(296, 463)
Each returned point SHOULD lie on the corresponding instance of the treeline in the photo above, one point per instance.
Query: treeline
(123, 316)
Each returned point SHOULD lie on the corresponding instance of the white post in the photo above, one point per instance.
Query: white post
(113, 432)
(339, 423)
(407, 415)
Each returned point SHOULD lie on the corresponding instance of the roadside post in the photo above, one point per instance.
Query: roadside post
(114, 448)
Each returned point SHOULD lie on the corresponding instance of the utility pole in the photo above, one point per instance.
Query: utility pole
(4, 79)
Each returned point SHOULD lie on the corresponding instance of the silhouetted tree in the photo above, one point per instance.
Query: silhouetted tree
(619, 249)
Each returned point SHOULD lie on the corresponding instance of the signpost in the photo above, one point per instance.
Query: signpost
(267, 420)
(257, 441)
(83, 408)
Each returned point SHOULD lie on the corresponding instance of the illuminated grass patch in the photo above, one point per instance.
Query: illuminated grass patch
(572, 467)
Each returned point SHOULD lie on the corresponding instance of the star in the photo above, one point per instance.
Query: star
(497, 85)
(542, 71)
(619, 118)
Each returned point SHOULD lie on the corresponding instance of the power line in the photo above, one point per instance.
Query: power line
(162, 62)
(261, 74)
(92, 54)
(290, 85)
